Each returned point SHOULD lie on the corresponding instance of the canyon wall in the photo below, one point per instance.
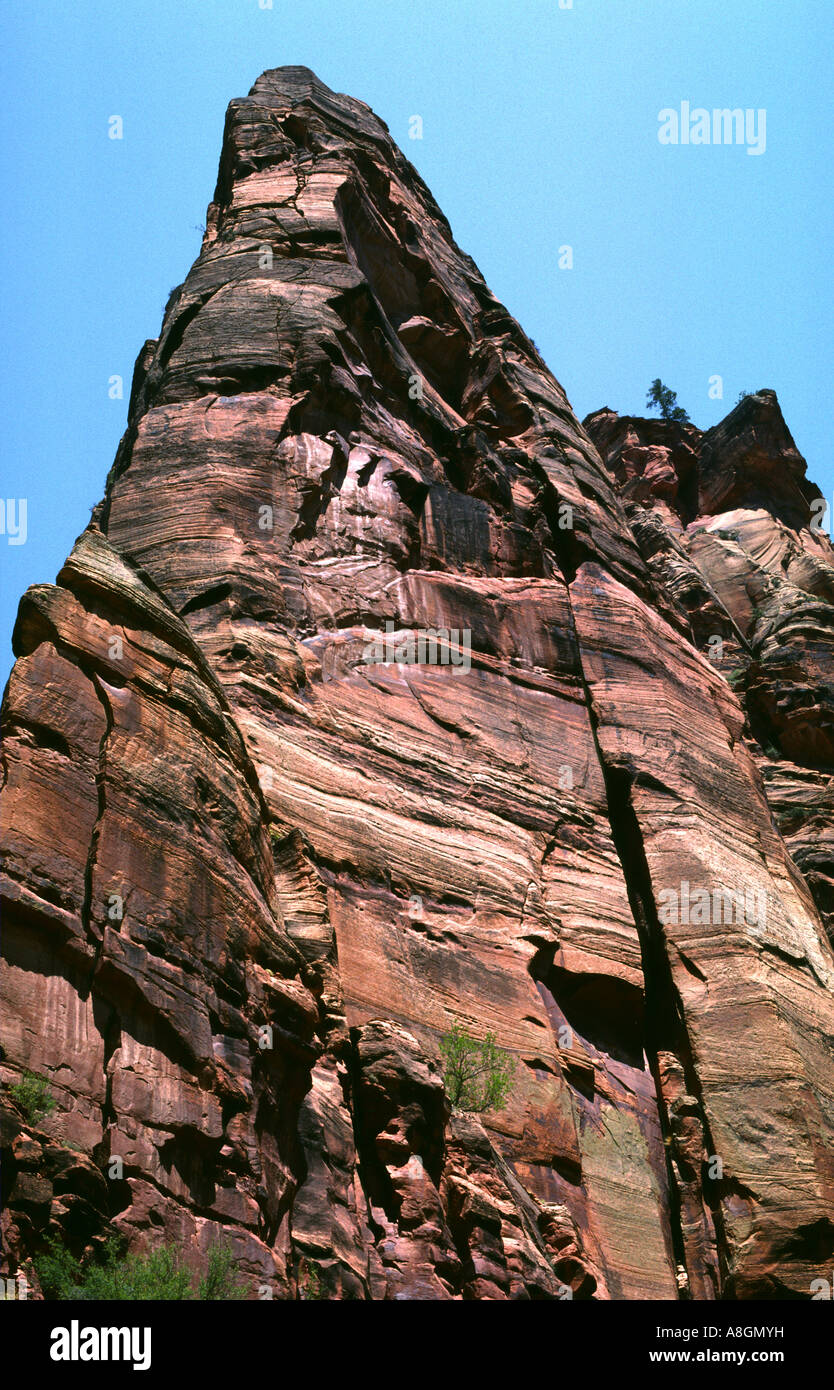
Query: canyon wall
(258, 859)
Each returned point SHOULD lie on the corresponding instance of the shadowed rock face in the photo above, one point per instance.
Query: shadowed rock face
(319, 860)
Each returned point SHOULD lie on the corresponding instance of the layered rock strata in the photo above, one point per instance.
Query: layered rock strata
(381, 694)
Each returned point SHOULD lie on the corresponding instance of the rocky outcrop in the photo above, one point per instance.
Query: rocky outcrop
(731, 529)
(148, 973)
(415, 719)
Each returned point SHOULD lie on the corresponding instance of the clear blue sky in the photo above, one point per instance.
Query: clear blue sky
(540, 129)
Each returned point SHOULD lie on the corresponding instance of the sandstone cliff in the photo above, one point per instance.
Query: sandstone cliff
(251, 877)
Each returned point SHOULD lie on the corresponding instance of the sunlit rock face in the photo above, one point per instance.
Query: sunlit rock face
(736, 536)
(381, 694)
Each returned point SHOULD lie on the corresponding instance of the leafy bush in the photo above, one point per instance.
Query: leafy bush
(159, 1276)
(58, 1272)
(220, 1280)
(309, 1282)
(33, 1095)
(661, 398)
(478, 1075)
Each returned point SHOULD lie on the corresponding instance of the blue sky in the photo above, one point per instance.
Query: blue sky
(540, 129)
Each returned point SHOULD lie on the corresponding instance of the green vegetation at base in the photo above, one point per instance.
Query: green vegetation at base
(161, 1275)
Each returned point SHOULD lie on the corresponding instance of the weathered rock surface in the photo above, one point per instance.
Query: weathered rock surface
(143, 943)
(732, 530)
(342, 439)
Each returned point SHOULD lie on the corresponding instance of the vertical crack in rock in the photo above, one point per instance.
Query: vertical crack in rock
(665, 1029)
(101, 800)
(663, 1026)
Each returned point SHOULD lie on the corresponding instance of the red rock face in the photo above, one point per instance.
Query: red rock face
(737, 545)
(414, 718)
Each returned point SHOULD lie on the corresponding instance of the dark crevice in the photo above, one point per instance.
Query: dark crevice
(315, 496)
(42, 735)
(664, 1028)
(208, 598)
(176, 333)
(90, 931)
(373, 1175)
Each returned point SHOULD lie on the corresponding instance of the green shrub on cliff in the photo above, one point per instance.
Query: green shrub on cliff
(309, 1282)
(478, 1075)
(33, 1095)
